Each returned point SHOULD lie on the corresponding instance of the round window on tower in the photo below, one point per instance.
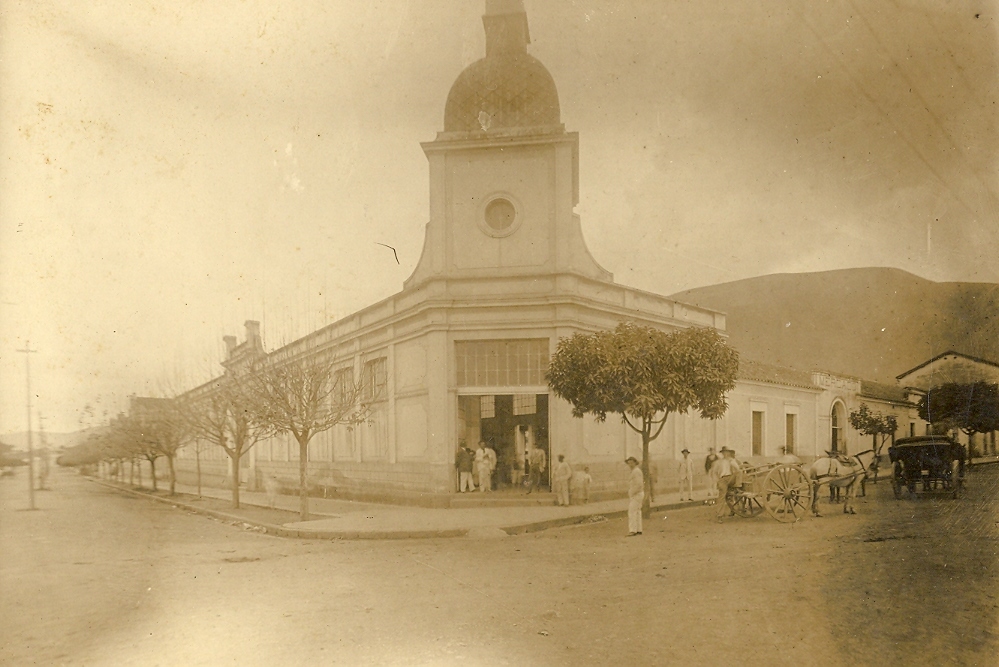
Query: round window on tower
(500, 214)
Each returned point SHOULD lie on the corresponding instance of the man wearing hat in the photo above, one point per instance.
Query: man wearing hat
(728, 476)
(686, 475)
(636, 494)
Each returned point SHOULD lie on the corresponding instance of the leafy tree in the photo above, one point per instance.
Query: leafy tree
(644, 375)
(971, 408)
(880, 427)
(304, 397)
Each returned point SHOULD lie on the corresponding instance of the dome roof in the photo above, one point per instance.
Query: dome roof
(500, 91)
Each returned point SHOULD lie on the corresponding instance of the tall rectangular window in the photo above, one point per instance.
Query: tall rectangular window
(501, 363)
(757, 433)
(912, 429)
(790, 428)
(375, 379)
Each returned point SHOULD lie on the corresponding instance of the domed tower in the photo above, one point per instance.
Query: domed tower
(504, 173)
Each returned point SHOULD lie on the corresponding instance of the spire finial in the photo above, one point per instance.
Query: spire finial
(505, 22)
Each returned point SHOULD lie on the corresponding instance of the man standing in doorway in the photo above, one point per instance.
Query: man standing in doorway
(485, 461)
(563, 473)
(465, 459)
(636, 494)
(537, 461)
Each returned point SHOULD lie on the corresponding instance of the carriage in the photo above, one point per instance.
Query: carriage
(782, 490)
(930, 463)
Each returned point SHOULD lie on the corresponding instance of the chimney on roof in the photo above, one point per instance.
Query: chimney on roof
(230, 345)
(253, 334)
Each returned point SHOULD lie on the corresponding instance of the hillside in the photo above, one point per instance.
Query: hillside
(871, 323)
(19, 439)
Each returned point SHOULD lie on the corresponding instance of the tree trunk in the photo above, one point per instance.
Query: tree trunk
(131, 472)
(303, 478)
(173, 476)
(197, 463)
(647, 500)
(152, 472)
(234, 460)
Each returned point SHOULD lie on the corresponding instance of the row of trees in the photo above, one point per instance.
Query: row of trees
(302, 397)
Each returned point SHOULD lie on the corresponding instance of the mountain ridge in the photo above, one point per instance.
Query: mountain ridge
(873, 323)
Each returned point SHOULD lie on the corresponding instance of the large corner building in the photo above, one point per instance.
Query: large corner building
(460, 354)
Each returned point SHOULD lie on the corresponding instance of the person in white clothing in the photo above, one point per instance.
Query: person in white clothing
(636, 494)
(686, 470)
(563, 473)
(727, 472)
(484, 457)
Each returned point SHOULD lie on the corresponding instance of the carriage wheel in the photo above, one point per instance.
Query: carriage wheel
(744, 504)
(897, 479)
(787, 493)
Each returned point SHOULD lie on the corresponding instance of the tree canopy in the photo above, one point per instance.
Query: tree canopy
(972, 408)
(644, 374)
(639, 372)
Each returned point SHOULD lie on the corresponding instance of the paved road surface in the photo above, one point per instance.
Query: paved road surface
(98, 578)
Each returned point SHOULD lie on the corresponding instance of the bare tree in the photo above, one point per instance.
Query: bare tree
(219, 414)
(305, 396)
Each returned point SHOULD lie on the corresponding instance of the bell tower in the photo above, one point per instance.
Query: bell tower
(504, 173)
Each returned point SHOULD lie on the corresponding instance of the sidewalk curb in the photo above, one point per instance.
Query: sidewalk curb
(295, 533)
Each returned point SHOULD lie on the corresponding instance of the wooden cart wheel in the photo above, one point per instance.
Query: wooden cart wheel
(897, 479)
(787, 493)
(743, 503)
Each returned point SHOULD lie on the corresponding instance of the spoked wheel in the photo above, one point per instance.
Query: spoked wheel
(787, 493)
(744, 504)
(897, 479)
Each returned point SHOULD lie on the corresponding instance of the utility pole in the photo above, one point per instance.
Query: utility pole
(31, 451)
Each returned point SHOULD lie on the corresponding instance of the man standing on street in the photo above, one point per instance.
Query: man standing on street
(636, 493)
(709, 470)
(727, 471)
(686, 476)
(563, 473)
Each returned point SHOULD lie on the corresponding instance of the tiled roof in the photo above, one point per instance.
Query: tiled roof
(887, 392)
(761, 372)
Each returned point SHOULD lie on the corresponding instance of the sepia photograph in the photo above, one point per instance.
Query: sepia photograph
(499, 332)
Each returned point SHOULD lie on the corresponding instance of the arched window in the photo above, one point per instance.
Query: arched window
(837, 436)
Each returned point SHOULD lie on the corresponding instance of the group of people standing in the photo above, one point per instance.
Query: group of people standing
(478, 464)
(476, 468)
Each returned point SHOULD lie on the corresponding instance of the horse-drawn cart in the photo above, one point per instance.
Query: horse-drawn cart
(783, 490)
(929, 463)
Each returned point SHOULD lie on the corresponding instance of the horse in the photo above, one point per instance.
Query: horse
(839, 471)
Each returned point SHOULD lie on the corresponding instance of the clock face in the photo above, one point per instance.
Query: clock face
(500, 214)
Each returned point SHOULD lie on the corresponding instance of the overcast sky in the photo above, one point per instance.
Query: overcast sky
(171, 169)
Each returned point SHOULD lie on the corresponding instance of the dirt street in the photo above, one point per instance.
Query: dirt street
(98, 578)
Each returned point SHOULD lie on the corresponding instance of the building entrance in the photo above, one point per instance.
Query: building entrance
(513, 425)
